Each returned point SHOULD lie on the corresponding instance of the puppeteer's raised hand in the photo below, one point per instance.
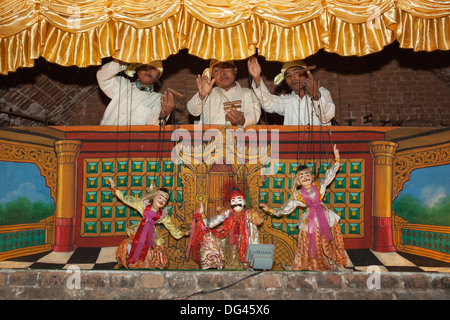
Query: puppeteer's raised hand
(167, 104)
(311, 86)
(204, 85)
(254, 69)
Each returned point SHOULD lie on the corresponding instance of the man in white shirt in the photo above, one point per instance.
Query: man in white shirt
(134, 103)
(226, 103)
(307, 104)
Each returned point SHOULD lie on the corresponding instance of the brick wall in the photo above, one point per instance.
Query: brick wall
(233, 285)
(397, 86)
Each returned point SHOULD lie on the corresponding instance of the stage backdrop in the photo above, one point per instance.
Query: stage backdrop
(389, 191)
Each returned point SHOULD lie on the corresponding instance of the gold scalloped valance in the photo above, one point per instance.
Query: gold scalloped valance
(83, 32)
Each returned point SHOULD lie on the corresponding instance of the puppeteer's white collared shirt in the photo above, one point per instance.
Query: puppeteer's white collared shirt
(129, 105)
(296, 111)
(211, 108)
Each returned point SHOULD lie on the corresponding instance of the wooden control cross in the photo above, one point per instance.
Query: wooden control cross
(237, 104)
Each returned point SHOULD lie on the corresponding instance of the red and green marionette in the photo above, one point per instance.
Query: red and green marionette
(224, 247)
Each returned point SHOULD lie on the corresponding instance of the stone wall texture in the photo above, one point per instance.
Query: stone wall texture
(73, 284)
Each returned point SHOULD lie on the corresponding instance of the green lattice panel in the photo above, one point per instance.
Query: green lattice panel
(339, 183)
(92, 183)
(151, 179)
(90, 227)
(354, 197)
(120, 211)
(179, 196)
(291, 228)
(354, 228)
(105, 227)
(136, 181)
(137, 166)
(355, 167)
(340, 212)
(92, 167)
(263, 197)
(326, 198)
(355, 182)
(108, 167)
(91, 197)
(167, 181)
(152, 166)
(323, 168)
(106, 212)
(136, 193)
(354, 213)
(277, 198)
(102, 214)
(293, 167)
(122, 166)
(107, 196)
(168, 166)
(120, 226)
(278, 183)
(122, 182)
(90, 212)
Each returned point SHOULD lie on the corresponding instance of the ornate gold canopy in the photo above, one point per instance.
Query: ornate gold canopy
(81, 33)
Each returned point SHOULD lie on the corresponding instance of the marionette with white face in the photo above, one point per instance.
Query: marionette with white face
(237, 203)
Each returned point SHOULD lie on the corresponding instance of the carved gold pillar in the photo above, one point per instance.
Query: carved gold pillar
(383, 153)
(67, 152)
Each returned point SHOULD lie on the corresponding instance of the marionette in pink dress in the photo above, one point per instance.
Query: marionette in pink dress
(320, 242)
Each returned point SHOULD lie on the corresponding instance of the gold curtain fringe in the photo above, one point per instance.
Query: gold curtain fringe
(276, 43)
(422, 34)
(84, 32)
(146, 45)
(348, 39)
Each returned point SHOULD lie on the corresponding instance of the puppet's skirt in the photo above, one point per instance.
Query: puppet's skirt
(211, 253)
(326, 251)
(156, 257)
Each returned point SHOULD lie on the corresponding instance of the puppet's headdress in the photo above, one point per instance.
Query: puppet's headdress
(153, 191)
(236, 193)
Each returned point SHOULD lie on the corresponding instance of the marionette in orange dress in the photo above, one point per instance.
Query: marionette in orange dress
(225, 247)
(319, 240)
(144, 247)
